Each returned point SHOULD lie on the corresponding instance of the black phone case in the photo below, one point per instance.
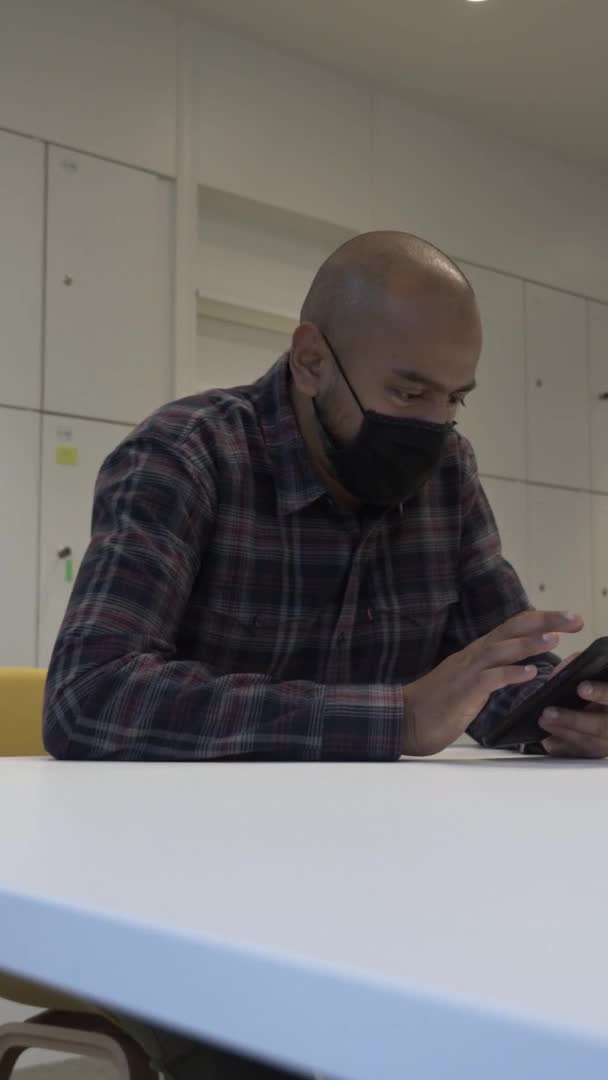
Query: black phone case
(521, 726)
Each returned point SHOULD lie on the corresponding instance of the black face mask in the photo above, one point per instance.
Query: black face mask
(389, 459)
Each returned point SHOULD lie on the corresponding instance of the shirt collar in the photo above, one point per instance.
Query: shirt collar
(297, 482)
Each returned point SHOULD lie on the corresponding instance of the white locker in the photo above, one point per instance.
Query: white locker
(19, 489)
(508, 499)
(559, 556)
(495, 415)
(72, 453)
(600, 565)
(230, 354)
(558, 433)
(108, 289)
(598, 390)
(21, 244)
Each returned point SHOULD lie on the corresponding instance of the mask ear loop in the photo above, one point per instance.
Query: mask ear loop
(342, 371)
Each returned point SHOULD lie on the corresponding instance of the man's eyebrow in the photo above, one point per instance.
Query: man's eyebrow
(424, 380)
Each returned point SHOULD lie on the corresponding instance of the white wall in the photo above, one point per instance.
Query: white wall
(489, 200)
(92, 76)
(295, 135)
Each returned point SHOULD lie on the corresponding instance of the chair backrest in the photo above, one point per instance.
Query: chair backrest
(21, 698)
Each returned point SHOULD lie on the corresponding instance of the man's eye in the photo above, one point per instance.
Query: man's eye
(406, 395)
(459, 399)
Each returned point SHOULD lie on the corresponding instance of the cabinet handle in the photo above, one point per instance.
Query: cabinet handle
(65, 553)
(541, 587)
(604, 396)
(604, 592)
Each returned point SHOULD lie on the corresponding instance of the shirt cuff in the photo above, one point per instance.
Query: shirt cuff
(363, 723)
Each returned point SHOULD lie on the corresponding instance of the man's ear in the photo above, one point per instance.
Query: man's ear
(306, 359)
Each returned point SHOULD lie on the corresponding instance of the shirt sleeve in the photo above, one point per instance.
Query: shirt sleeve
(116, 687)
(490, 593)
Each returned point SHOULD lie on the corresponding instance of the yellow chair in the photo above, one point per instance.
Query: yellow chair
(67, 1024)
(21, 698)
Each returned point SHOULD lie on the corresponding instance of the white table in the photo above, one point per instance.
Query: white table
(433, 920)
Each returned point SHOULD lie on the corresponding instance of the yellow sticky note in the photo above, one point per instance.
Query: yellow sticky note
(66, 455)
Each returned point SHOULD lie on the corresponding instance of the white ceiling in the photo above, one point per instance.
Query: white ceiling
(534, 69)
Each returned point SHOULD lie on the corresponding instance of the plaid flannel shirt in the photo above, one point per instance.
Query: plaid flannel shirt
(226, 607)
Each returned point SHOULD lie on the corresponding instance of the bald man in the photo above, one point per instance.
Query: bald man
(307, 568)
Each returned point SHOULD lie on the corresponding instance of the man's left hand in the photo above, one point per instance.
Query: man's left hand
(579, 733)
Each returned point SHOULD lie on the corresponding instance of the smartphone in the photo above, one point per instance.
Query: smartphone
(521, 725)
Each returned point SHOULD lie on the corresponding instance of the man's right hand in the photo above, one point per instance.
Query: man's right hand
(440, 706)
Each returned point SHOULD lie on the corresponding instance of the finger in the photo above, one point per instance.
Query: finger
(536, 623)
(596, 692)
(560, 748)
(567, 721)
(576, 746)
(498, 677)
(510, 651)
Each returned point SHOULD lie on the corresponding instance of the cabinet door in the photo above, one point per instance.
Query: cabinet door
(556, 341)
(495, 415)
(598, 390)
(508, 500)
(108, 293)
(72, 453)
(559, 545)
(600, 565)
(19, 460)
(21, 243)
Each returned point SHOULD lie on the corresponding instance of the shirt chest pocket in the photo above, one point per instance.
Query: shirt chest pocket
(267, 643)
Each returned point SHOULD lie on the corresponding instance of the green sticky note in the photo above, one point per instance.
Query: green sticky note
(69, 571)
(66, 455)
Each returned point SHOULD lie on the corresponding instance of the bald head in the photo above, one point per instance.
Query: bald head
(379, 275)
(390, 325)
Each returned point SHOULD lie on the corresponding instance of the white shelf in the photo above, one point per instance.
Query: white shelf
(258, 258)
(238, 314)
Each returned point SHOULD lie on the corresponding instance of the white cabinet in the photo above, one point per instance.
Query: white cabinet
(72, 453)
(494, 418)
(600, 565)
(19, 458)
(508, 499)
(281, 130)
(558, 432)
(230, 354)
(559, 554)
(109, 289)
(598, 392)
(21, 244)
